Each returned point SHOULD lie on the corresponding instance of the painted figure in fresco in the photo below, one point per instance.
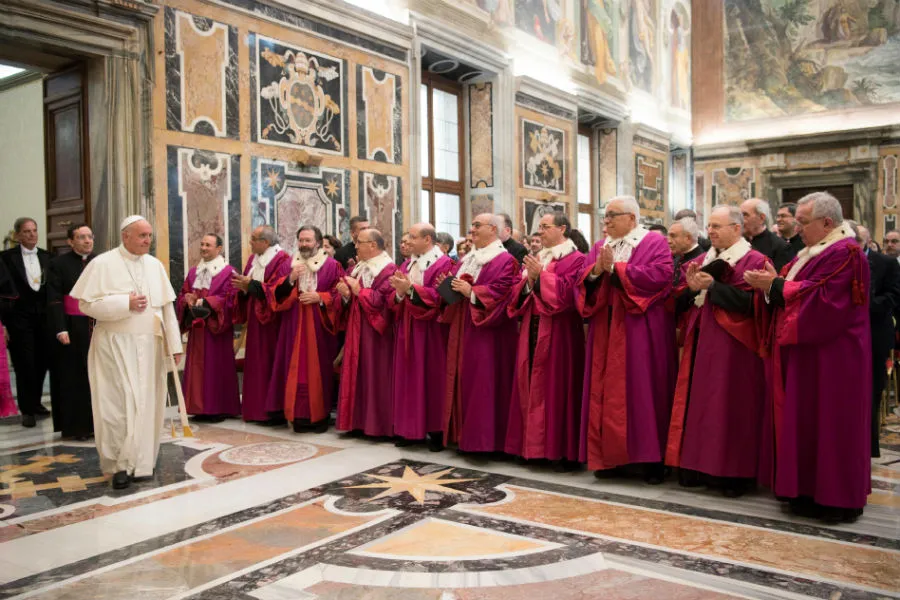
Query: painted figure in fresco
(642, 43)
(596, 37)
(681, 63)
(539, 18)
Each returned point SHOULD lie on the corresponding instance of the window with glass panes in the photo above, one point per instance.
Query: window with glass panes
(586, 187)
(441, 154)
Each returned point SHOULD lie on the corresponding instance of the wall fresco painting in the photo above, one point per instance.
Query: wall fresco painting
(801, 56)
(680, 57)
(598, 37)
(642, 46)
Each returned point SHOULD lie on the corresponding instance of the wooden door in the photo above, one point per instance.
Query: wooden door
(66, 156)
(844, 194)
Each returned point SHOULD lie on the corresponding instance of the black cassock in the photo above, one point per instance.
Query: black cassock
(70, 388)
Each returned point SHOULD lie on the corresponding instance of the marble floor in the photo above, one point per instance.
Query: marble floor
(253, 513)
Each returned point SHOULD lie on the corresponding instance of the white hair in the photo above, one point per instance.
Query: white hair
(735, 216)
(498, 221)
(629, 205)
(689, 226)
(762, 208)
(824, 205)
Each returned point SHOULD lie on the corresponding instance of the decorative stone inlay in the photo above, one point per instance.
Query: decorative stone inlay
(268, 453)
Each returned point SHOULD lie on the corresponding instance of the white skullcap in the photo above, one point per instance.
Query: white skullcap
(129, 220)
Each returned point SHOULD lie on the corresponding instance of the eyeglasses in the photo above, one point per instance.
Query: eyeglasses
(609, 216)
(360, 242)
(477, 225)
(545, 227)
(716, 226)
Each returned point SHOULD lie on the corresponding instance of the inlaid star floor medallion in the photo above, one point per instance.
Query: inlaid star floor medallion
(414, 484)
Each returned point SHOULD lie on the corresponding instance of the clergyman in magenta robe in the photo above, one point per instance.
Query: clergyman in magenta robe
(366, 393)
(266, 265)
(481, 350)
(420, 346)
(545, 410)
(818, 419)
(630, 358)
(714, 435)
(307, 339)
(210, 373)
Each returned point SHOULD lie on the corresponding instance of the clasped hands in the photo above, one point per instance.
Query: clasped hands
(761, 279)
(604, 263)
(696, 279)
(533, 268)
(400, 283)
(346, 286)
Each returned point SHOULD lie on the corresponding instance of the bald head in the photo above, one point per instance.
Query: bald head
(486, 229)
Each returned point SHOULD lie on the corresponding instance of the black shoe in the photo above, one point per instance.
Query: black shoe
(833, 515)
(83, 438)
(566, 466)
(320, 427)
(28, 421)
(215, 418)
(608, 473)
(655, 474)
(405, 443)
(274, 422)
(688, 478)
(435, 441)
(120, 480)
(41, 411)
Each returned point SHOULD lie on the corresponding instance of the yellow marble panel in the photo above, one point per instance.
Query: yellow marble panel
(856, 564)
(378, 98)
(204, 55)
(445, 539)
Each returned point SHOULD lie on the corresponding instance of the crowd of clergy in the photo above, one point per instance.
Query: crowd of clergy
(745, 357)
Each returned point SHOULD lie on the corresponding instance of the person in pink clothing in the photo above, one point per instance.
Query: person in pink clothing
(7, 293)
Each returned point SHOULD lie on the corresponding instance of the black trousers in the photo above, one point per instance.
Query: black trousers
(29, 349)
(879, 379)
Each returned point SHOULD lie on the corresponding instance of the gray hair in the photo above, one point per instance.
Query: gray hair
(444, 238)
(498, 221)
(268, 233)
(686, 213)
(734, 213)
(20, 223)
(762, 208)
(855, 227)
(824, 205)
(629, 204)
(689, 226)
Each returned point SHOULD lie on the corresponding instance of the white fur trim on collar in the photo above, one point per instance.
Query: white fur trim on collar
(557, 252)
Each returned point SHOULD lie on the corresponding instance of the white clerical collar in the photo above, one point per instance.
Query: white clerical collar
(27, 252)
(632, 238)
(557, 252)
(694, 247)
(313, 263)
(83, 256)
(482, 256)
(214, 266)
(126, 254)
(424, 261)
(810, 252)
(266, 257)
(374, 265)
(732, 255)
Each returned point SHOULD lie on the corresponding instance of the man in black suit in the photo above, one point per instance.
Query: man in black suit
(512, 246)
(702, 240)
(683, 236)
(884, 297)
(787, 226)
(26, 319)
(346, 254)
(757, 219)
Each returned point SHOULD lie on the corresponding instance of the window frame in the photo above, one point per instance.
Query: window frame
(430, 183)
(588, 208)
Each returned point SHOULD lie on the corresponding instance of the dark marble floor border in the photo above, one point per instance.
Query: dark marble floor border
(715, 515)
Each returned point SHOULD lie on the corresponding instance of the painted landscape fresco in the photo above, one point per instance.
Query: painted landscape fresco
(787, 57)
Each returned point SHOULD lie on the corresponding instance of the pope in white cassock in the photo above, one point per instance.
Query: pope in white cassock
(128, 292)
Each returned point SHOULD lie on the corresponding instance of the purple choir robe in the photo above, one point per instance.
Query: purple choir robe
(819, 414)
(630, 359)
(210, 373)
(366, 393)
(481, 359)
(545, 409)
(302, 381)
(717, 414)
(262, 325)
(420, 356)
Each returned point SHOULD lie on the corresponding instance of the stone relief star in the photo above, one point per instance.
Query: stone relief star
(414, 484)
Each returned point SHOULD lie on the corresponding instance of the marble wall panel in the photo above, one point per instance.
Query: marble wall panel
(201, 75)
(888, 177)
(700, 195)
(380, 201)
(733, 185)
(608, 162)
(543, 157)
(286, 196)
(533, 210)
(649, 183)
(679, 191)
(204, 197)
(481, 135)
(481, 204)
(379, 111)
(299, 97)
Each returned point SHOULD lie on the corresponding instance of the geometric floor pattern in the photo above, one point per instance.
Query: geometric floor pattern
(251, 513)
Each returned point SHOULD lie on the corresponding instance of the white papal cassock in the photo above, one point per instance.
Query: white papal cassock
(127, 361)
